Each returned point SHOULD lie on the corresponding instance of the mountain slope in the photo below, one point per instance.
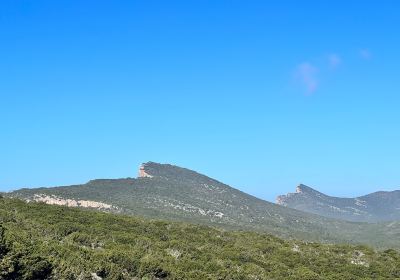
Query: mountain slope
(39, 241)
(374, 207)
(164, 191)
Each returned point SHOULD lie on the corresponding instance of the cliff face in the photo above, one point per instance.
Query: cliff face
(54, 200)
(375, 207)
(303, 192)
(143, 173)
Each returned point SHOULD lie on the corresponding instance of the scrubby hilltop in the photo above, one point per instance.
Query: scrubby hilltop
(164, 191)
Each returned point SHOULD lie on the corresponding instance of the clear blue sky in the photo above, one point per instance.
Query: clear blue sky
(262, 95)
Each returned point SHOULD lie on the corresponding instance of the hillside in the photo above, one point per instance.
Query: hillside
(39, 241)
(375, 207)
(164, 191)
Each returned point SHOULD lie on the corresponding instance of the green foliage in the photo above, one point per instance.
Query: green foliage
(375, 207)
(39, 241)
(179, 194)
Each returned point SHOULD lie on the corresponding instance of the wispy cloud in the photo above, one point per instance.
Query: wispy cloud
(310, 74)
(306, 74)
(365, 54)
(334, 60)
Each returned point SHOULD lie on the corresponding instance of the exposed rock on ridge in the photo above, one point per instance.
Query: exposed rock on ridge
(142, 171)
(55, 200)
(374, 207)
(180, 194)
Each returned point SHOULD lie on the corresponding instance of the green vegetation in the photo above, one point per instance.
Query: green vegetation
(381, 206)
(39, 241)
(179, 194)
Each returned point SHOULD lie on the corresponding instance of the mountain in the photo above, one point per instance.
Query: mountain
(39, 241)
(168, 192)
(375, 207)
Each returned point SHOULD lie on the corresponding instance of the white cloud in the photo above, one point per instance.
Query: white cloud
(306, 74)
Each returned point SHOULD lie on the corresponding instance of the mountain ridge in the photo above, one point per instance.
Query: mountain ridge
(180, 194)
(379, 206)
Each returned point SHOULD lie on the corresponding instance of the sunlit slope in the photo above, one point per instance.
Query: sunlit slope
(375, 207)
(169, 192)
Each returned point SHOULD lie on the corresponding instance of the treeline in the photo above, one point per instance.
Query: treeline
(39, 241)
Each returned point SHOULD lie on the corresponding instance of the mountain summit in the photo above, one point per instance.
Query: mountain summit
(374, 207)
(165, 191)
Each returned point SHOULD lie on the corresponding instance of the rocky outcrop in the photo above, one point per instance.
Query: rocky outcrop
(301, 191)
(55, 200)
(143, 173)
(374, 207)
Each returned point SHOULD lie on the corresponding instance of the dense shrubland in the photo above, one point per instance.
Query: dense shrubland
(39, 241)
(179, 194)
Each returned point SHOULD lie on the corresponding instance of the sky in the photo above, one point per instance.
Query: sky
(262, 95)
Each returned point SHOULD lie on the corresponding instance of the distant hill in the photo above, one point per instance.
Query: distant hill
(168, 192)
(375, 207)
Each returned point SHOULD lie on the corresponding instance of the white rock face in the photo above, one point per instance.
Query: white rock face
(70, 202)
(143, 173)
